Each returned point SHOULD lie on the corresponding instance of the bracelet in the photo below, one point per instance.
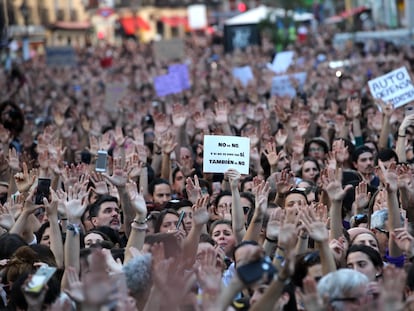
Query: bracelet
(270, 240)
(75, 228)
(63, 219)
(140, 228)
(401, 135)
(281, 248)
(140, 222)
(280, 258)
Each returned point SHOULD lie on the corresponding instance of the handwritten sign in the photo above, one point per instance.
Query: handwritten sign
(395, 87)
(167, 84)
(244, 74)
(282, 85)
(197, 16)
(224, 152)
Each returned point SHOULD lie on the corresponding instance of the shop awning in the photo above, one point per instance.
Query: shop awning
(175, 21)
(131, 24)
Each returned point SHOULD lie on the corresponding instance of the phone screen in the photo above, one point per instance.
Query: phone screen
(39, 279)
(101, 161)
(43, 190)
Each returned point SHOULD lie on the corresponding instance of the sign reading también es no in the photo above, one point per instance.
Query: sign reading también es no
(395, 87)
(225, 152)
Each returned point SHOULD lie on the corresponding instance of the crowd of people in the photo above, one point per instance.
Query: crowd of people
(323, 220)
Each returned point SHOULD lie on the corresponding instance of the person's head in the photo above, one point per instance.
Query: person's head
(167, 221)
(363, 236)
(366, 260)
(363, 160)
(247, 184)
(344, 290)
(43, 234)
(178, 181)
(4, 188)
(160, 191)
(316, 148)
(223, 202)
(186, 156)
(95, 237)
(247, 201)
(387, 156)
(283, 159)
(295, 199)
(222, 233)
(105, 212)
(137, 272)
(307, 265)
(9, 243)
(310, 169)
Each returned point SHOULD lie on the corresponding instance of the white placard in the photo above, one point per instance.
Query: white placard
(197, 16)
(244, 74)
(281, 62)
(395, 87)
(282, 85)
(225, 152)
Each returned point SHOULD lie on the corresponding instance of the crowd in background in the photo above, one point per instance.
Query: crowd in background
(321, 222)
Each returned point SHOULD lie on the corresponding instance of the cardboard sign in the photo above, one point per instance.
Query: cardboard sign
(114, 92)
(395, 87)
(281, 61)
(244, 74)
(61, 56)
(167, 50)
(167, 84)
(197, 16)
(224, 152)
(240, 36)
(282, 85)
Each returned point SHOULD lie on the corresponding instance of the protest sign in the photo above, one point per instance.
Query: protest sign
(183, 75)
(197, 16)
(114, 92)
(167, 50)
(167, 84)
(282, 85)
(224, 152)
(281, 61)
(394, 87)
(60, 56)
(244, 74)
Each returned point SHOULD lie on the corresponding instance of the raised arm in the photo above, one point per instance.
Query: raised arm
(261, 202)
(237, 215)
(139, 225)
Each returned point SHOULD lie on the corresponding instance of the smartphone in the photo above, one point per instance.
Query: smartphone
(180, 220)
(43, 190)
(40, 279)
(101, 161)
(254, 271)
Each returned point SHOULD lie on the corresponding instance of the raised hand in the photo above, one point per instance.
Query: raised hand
(162, 123)
(6, 217)
(99, 184)
(52, 206)
(281, 137)
(284, 181)
(221, 108)
(193, 189)
(233, 176)
(403, 239)
(93, 145)
(388, 176)
(275, 223)
(332, 184)
(74, 202)
(261, 199)
(24, 180)
(119, 136)
(362, 196)
(13, 160)
(315, 227)
(341, 151)
(271, 153)
(200, 121)
(179, 115)
(119, 175)
(168, 143)
(137, 200)
(201, 215)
